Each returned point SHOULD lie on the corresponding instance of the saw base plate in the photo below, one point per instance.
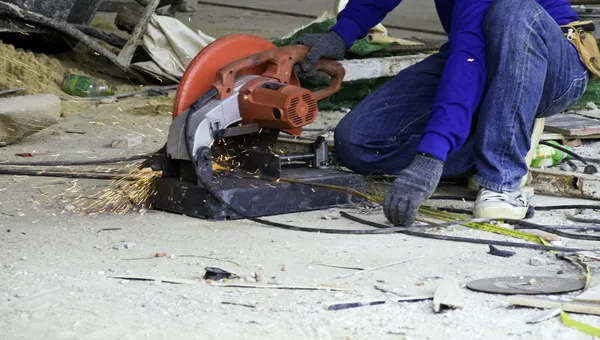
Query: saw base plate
(257, 197)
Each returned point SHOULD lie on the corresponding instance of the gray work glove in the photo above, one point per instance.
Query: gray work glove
(414, 185)
(324, 45)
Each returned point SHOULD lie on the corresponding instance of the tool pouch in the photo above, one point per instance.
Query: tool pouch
(580, 35)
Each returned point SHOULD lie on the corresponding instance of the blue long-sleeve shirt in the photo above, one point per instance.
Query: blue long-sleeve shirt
(464, 77)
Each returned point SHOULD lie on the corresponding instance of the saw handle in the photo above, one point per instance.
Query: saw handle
(280, 62)
(337, 73)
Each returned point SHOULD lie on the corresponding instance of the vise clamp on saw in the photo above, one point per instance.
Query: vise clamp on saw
(233, 102)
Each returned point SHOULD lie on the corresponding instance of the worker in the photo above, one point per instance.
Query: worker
(469, 107)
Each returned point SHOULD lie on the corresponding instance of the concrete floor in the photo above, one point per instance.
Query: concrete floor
(217, 21)
(412, 13)
(56, 265)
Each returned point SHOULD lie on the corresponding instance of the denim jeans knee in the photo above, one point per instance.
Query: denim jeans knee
(504, 13)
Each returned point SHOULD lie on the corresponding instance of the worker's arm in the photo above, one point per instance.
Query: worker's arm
(359, 16)
(458, 96)
(462, 82)
(354, 22)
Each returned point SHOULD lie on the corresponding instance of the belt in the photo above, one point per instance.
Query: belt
(588, 27)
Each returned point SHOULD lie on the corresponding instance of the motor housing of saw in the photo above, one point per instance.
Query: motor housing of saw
(275, 105)
(270, 100)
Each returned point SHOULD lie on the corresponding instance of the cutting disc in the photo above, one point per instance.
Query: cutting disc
(526, 285)
(202, 71)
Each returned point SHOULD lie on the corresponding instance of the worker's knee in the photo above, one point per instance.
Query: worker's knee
(349, 151)
(344, 140)
(509, 15)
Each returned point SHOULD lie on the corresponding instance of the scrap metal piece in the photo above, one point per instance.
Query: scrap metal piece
(526, 285)
(218, 274)
(499, 252)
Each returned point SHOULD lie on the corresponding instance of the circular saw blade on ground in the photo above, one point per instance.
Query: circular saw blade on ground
(202, 71)
(526, 285)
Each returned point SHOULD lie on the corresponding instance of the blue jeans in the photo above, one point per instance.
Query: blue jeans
(533, 72)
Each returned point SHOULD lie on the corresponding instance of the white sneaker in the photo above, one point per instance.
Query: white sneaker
(500, 205)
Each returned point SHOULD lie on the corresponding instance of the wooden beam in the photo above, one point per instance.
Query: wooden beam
(358, 69)
(536, 302)
(573, 125)
(565, 184)
(560, 136)
(592, 295)
(132, 44)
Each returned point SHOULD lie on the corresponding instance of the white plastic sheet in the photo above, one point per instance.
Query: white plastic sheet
(172, 46)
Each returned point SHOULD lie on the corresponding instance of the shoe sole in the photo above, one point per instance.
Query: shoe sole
(501, 213)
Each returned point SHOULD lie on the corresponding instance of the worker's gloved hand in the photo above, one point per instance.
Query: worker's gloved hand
(325, 45)
(414, 185)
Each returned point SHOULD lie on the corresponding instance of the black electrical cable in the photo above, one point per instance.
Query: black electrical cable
(529, 225)
(591, 160)
(583, 220)
(537, 208)
(520, 224)
(208, 187)
(63, 174)
(455, 210)
(565, 150)
(79, 162)
(382, 229)
(566, 207)
(458, 239)
(452, 198)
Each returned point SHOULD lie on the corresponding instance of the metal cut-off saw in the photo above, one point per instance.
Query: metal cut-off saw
(236, 97)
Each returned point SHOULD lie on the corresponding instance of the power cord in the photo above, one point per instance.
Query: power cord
(77, 163)
(381, 229)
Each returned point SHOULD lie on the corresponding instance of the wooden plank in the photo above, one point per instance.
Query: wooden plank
(587, 113)
(565, 184)
(559, 136)
(573, 125)
(592, 295)
(357, 69)
(537, 302)
(132, 44)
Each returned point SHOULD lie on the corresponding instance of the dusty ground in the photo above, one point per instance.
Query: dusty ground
(56, 266)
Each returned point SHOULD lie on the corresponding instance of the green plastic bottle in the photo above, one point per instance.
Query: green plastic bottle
(84, 86)
(547, 156)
